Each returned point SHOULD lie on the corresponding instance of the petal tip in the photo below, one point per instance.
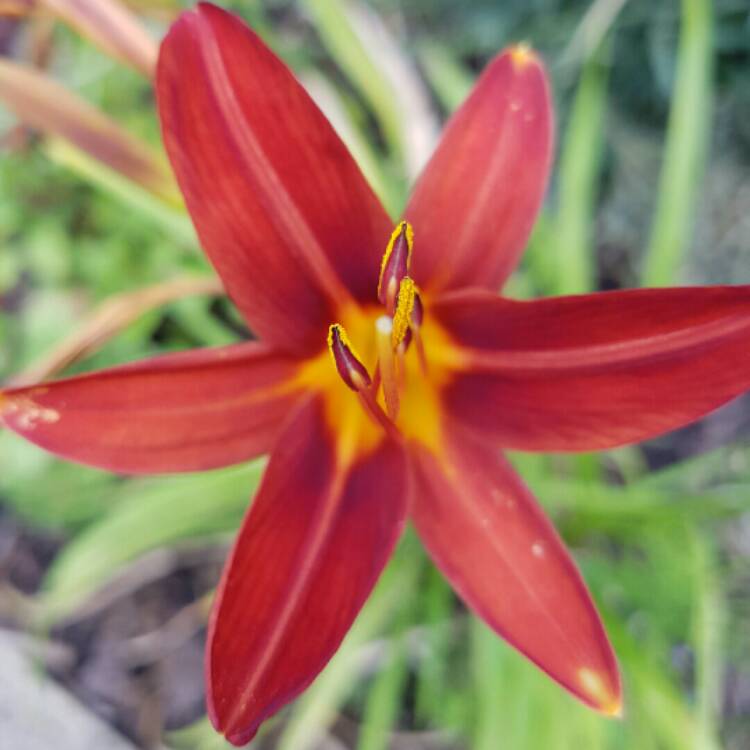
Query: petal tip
(233, 725)
(522, 55)
(208, 9)
(601, 691)
(243, 738)
(20, 410)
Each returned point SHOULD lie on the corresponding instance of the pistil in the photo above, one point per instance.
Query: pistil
(387, 364)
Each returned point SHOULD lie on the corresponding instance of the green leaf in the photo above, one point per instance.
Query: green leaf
(437, 602)
(685, 149)
(386, 695)
(172, 220)
(347, 49)
(708, 638)
(578, 180)
(49, 493)
(148, 515)
(450, 80)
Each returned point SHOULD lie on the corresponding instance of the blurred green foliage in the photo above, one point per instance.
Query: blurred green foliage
(653, 545)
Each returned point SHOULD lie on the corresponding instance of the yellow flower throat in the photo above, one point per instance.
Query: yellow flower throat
(389, 363)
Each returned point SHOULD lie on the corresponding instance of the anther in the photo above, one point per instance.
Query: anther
(404, 308)
(395, 264)
(348, 364)
(355, 376)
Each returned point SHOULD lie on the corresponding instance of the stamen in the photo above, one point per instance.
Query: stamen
(387, 364)
(348, 364)
(355, 376)
(373, 408)
(404, 309)
(395, 264)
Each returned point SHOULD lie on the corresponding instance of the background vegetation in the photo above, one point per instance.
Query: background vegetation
(651, 188)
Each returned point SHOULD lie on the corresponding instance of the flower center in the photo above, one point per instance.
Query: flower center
(396, 330)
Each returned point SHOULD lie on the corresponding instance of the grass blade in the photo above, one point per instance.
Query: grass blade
(384, 700)
(708, 627)
(148, 515)
(685, 150)
(580, 165)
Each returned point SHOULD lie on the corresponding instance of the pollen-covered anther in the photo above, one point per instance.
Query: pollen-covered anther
(395, 264)
(348, 364)
(404, 308)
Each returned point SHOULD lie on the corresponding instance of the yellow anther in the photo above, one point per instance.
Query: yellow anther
(336, 329)
(388, 272)
(347, 361)
(404, 307)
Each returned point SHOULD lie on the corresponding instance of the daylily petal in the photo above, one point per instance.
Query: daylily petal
(309, 552)
(281, 208)
(490, 539)
(595, 371)
(179, 412)
(475, 204)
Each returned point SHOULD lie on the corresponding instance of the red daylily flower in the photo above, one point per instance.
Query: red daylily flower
(432, 373)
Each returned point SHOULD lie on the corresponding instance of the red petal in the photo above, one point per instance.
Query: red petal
(486, 533)
(600, 370)
(475, 204)
(180, 412)
(281, 208)
(307, 556)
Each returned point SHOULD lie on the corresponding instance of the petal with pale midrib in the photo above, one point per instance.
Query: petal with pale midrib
(595, 371)
(306, 558)
(190, 411)
(280, 206)
(490, 539)
(475, 204)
